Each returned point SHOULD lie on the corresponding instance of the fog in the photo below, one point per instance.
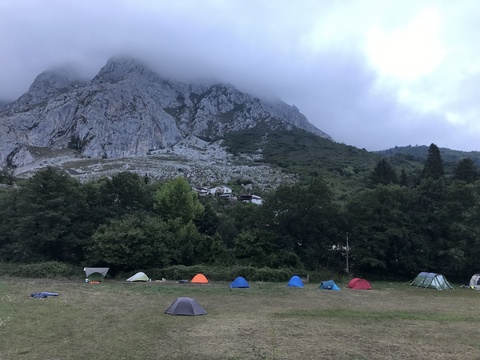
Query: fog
(372, 75)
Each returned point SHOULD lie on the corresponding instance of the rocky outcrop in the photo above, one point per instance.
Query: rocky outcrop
(127, 110)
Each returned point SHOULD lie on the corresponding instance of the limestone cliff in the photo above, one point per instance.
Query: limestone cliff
(127, 110)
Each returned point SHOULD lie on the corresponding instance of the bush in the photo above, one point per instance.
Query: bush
(48, 269)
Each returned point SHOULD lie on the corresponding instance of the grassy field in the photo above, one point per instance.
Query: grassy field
(118, 320)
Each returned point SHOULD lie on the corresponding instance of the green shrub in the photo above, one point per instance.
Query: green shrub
(48, 269)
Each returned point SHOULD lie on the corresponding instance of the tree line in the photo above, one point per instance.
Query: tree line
(397, 225)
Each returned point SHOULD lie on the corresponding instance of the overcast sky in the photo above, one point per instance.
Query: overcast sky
(374, 74)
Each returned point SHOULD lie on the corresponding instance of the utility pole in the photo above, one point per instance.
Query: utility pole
(347, 269)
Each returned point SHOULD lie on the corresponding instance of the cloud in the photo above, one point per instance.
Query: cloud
(370, 74)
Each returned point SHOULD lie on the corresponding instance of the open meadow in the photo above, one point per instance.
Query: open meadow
(119, 320)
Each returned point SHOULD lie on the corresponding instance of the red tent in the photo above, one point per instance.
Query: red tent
(359, 284)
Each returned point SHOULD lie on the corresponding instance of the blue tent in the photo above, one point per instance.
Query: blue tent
(295, 281)
(239, 282)
(329, 285)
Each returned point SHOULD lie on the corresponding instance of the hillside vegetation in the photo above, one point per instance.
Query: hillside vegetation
(345, 168)
(398, 223)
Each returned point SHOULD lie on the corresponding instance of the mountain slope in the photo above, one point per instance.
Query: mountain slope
(127, 110)
(420, 153)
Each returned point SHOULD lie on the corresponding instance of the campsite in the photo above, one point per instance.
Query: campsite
(124, 320)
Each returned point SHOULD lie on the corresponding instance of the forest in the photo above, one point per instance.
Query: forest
(396, 225)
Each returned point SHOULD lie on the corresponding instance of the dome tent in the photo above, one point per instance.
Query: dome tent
(359, 284)
(329, 285)
(140, 276)
(239, 282)
(295, 282)
(185, 306)
(199, 279)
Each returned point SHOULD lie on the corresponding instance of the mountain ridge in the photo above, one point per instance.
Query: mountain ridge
(127, 113)
(128, 110)
(127, 117)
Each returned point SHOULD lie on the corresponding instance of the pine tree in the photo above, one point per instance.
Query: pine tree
(466, 171)
(383, 174)
(433, 168)
(403, 178)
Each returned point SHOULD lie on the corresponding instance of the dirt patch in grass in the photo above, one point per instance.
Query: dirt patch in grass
(117, 320)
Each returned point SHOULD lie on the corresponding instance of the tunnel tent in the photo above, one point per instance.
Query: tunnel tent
(431, 281)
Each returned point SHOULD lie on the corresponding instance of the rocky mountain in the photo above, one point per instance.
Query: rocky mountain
(129, 111)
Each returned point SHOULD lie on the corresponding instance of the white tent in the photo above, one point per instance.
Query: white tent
(140, 276)
(475, 282)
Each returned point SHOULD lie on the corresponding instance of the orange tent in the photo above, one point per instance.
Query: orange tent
(199, 279)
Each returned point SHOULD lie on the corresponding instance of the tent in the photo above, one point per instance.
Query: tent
(140, 276)
(239, 282)
(185, 306)
(431, 281)
(95, 274)
(329, 285)
(359, 284)
(475, 282)
(199, 279)
(296, 282)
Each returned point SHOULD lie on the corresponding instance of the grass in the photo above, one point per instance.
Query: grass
(118, 320)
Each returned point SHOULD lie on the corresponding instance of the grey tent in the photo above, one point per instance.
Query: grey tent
(185, 306)
(95, 274)
(431, 281)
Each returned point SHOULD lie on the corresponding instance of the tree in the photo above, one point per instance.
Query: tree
(6, 177)
(208, 222)
(453, 229)
(403, 178)
(12, 247)
(255, 247)
(385, 240)
(305, 220)
(433, 167)
(176, 200)
(383, 174)
(54, 222)
(466, 171)
(133, 242)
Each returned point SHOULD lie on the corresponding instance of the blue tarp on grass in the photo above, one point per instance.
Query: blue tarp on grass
(43, 294)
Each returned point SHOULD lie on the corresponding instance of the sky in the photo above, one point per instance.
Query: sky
(374, 74)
